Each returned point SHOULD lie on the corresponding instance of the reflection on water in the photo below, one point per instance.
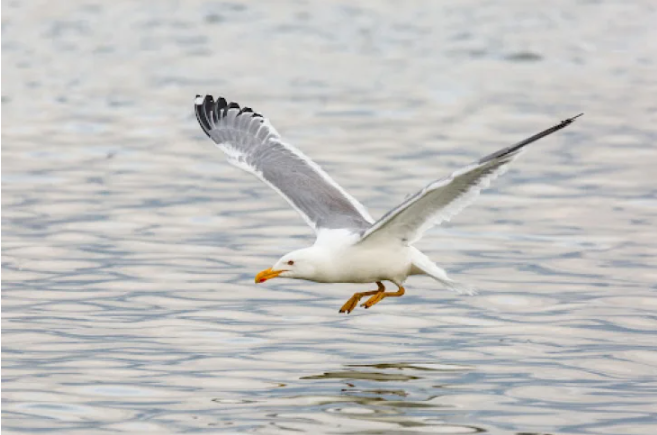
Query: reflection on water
(376, 376)
(391, 397)
(129, 245)
(409, 406)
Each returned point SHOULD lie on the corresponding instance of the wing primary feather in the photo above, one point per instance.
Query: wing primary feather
(513, 148)
(202, 114)
(214, 112)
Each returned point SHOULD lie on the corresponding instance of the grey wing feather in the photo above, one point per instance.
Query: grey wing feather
(442, 199)
(251, 143)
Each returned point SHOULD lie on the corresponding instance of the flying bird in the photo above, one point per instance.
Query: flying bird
(350, 247)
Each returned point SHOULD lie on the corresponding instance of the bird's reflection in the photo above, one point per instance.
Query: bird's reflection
(403, 395)
(357, 374)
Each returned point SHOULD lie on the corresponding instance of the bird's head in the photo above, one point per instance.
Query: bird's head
(301, 264)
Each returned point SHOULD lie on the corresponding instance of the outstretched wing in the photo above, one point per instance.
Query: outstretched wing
(443, 199)
(251, 143)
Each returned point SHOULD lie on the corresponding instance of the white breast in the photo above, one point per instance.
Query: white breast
(353, 263)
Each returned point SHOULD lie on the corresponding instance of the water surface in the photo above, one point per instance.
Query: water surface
(129, 245)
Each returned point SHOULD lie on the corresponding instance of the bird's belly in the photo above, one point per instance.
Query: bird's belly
(366, 266)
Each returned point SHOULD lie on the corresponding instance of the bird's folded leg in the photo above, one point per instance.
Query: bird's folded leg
(349, 306)
(379, 296)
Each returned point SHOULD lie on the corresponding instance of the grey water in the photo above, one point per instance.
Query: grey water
(129, 245)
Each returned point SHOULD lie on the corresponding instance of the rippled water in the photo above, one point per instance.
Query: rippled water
(129, 245)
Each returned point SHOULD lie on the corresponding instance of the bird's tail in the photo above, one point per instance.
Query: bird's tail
(426, 266)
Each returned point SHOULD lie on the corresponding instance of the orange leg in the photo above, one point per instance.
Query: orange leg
(349, 306)
(382, 295)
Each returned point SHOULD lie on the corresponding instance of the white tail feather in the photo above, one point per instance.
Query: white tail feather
(426, 266)
(458, 287)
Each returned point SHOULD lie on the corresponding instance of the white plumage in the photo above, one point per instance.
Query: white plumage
(350, 247)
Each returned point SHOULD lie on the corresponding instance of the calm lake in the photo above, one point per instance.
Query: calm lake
(129, 244)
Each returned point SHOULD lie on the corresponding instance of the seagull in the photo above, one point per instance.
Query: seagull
(350, 246)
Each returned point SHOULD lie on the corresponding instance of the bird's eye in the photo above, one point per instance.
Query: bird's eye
(290, 263)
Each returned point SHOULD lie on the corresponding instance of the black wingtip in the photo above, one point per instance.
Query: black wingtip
(209, 112)
(512, 149)
(571, 120)
(203, 109)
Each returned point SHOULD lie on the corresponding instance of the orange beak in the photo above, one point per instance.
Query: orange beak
(267, 274)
